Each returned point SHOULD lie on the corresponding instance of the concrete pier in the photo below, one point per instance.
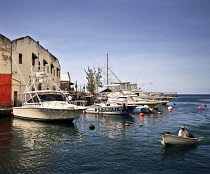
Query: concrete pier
(5, 111)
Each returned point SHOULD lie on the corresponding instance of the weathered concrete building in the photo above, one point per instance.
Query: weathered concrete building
(18, 58)
(5, 71)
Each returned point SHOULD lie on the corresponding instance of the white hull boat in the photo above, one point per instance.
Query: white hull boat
(177, 140)
(46, 105)
(141, 109)
(133, 100)
(45, 114)
(110, 109)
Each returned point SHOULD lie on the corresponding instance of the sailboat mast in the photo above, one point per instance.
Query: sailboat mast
(107, 70)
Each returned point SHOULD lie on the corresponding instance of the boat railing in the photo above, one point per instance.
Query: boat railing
(32, 104)
(78, 102)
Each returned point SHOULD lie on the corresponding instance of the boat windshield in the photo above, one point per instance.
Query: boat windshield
(52, 97)
(47, 97)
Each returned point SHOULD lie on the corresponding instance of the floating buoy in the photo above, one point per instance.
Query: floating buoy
(127, 124)
(159, 112)
(169, 110)
(200, 107)
(141, 114)
(91, 127)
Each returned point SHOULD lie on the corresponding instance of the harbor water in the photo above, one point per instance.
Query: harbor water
(36, 147)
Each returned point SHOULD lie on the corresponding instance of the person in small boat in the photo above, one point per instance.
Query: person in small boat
(183, 132)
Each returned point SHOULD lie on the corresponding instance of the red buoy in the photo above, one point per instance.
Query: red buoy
(159, 112)
(141, 114)
(200, 107)
(169, 110)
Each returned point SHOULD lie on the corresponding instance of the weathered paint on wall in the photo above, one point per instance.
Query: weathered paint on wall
(5, 71)
(5, 55)
(6, 89)
(34, 58)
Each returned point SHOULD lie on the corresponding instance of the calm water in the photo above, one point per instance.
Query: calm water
(33, 147)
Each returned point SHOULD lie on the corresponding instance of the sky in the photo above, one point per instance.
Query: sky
(162, 45)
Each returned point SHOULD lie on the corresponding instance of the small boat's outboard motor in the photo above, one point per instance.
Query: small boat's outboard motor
(191, 135)
(166, 133)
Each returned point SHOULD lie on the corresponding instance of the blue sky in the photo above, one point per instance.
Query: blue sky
(162, 45)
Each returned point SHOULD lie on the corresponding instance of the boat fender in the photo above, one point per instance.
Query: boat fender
(191, 135)
(170, 108)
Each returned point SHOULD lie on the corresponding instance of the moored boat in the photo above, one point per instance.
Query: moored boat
(177, 140)
(110, 109)
(46, 105)
(141, 109)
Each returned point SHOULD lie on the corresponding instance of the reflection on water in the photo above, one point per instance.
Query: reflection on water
(39, 135)
(109, 126)
(32, 143)
(6, 135)
(177, 151)
(112, 147)
(149, 118)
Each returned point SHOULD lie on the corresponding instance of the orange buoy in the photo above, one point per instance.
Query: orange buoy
(141, 114)
(169, 110)
(127, 124)
(200, 107)
(159, 112)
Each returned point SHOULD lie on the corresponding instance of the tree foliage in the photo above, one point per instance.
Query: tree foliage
(94, 79)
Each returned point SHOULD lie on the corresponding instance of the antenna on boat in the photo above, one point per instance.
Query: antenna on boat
(107, 69)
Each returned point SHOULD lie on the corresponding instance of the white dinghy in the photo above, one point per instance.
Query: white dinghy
(173, 139)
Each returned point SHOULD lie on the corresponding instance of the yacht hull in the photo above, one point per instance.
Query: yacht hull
(109, 110)
(45, 114)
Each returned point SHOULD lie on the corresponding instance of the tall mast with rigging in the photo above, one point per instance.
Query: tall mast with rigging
(107, 69)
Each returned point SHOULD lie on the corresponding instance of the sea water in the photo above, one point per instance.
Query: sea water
(112, 147)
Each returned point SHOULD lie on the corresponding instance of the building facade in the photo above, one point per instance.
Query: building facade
(65, 83)
(5, 71)
(18, 59)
